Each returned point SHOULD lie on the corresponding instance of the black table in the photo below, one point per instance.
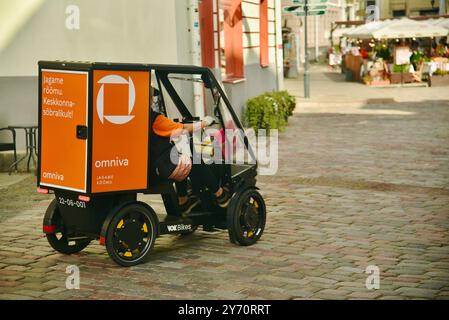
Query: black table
(31, 144)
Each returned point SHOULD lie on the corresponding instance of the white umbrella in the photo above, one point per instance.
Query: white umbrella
(441, 22)
(407, 28)
(364, 31)
(341, 32)
(400, 28)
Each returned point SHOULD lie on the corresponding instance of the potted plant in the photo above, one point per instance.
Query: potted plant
(401, 74)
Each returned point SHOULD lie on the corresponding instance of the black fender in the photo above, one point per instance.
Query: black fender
(50, 213)
(115, 210)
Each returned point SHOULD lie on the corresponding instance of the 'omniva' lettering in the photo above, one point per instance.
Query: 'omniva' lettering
(117, 162)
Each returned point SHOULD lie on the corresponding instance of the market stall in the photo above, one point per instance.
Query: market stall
(395, 51)
(439, 62)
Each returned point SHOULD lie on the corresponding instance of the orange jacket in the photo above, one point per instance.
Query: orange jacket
(164, 127)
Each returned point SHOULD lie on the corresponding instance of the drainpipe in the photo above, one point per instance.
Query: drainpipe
(195, 56)
(352, 12)
(317, 45)
(379, 9)
(442, 7)
(342, 8)
(279, 48)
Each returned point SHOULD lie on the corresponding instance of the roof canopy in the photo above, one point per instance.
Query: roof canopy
(400, 28)
(365, 31)
(441, 22)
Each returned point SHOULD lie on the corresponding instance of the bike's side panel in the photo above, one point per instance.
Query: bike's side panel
(120, 138)
(63, 123)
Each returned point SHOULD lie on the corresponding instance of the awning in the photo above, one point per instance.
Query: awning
(441, 22)
(365, 31)
(400, 28)
(340, 32)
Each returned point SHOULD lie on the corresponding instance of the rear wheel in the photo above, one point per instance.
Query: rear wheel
(246, 217)
(131, 234)
(59, 239)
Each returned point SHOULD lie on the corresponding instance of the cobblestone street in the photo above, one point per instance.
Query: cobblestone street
(357, 186)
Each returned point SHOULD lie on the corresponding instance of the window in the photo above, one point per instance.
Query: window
(398, 13)
(264, 51)
(429, 12)
(231, 15)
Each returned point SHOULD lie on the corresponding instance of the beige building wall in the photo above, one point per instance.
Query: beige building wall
(109, 30)
(137, 31)
(411, 7)
(117, 30)
(319, 27)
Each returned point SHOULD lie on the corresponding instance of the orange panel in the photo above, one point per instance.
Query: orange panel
(233, 30)
(264, 53)
(64, 106)
(206, 13)
(120, 130)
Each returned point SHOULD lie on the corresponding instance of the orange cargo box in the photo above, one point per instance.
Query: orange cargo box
(93, 127)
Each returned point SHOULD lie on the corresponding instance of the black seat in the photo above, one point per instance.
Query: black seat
(10, 146)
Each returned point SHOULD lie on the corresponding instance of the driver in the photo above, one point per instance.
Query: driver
(163, 129)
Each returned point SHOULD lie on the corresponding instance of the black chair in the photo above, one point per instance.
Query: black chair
(10, 146)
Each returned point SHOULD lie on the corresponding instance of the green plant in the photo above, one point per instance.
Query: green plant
(269, 110)
(401, 68)
(382, 51)
(337, 49)
(416, 57)
(367, 78)
(441, 51)
(440, 72)
(287, 103)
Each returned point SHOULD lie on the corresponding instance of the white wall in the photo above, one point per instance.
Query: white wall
(147, 31)
(322, 25)
(110, 30)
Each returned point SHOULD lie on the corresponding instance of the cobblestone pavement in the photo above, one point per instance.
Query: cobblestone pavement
(354, 189)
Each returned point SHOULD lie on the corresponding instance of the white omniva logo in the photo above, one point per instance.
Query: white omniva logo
(117, 162)
(179, 227)
(115, 79)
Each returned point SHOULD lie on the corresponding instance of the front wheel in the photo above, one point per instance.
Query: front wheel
(131, 234)
(58, 239)
(246, 217)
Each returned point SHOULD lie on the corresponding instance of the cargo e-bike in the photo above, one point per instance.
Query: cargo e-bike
(95, 156)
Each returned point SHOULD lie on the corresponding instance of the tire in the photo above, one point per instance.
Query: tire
(131, 234)
(58, 239)
(246, 217)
